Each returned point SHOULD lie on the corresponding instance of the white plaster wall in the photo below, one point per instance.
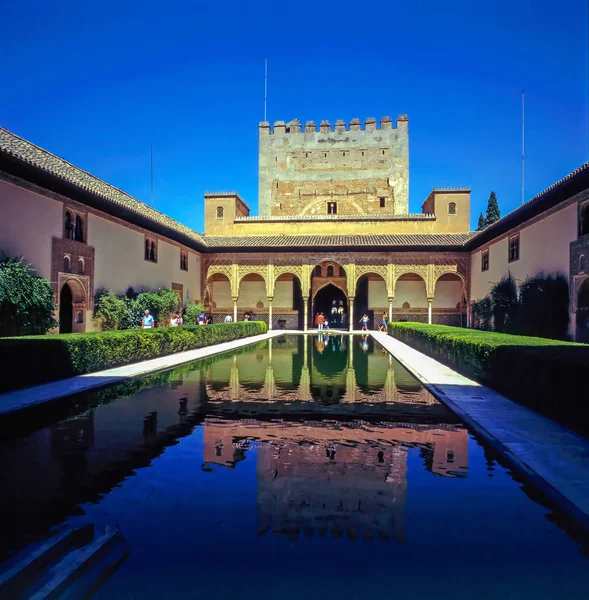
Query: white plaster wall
(250, 293)
(28, 222)
(377, 294)
(283, 295)
(120, 263)
(543, 246)
(412, 292)
(447, 294)
(221, 292)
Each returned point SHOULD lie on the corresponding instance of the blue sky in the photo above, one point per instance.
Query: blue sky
(95, 83)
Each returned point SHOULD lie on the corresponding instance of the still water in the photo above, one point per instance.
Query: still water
(302, 467)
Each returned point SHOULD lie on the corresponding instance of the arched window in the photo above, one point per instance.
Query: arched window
(79, 317)
(80, 266)
(318, 271)
(67, 264)
(452, 208)
(147, 246)
(79, 232)
(582, 264)
(342, 272)
(69, 226)
(330, 271)
(219, 212)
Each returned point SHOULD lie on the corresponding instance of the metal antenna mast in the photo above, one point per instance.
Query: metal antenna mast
(151, 172)
(265, 86)
(523, 154)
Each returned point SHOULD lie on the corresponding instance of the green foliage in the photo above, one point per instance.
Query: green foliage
(161, 305)
(482, 223)
(505, 304)
(493, 212)
(482, 313)
(26, 301)
(544, 307)
(65, 355)
(109, 310)
(191, 314)
(547, 375)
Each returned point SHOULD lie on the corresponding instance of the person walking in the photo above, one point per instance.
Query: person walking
(364, 322)
(146, 320)
(383, 322)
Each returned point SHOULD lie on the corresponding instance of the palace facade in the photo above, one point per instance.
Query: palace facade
(334, 231)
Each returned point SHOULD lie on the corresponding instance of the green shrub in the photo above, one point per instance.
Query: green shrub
(191, 313)
(546, 375)
(109, 310)
(29, 361)
(505, 305)
(26, 301)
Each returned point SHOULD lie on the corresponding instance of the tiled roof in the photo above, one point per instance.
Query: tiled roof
(279, 219)
(27, 152)
(358, 240)
(551, 196)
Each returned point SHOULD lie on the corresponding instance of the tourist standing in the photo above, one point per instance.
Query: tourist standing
(180, 318)
(174, 321)
(364, 322)
(147, 320)
(321, 320)
(201, 318)
(228, 319)
(246, 316)
(383, 322)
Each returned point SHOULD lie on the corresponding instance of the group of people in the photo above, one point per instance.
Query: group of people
(176, 320)
(321, 322)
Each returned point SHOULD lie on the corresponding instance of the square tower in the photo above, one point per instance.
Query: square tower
(346, 170)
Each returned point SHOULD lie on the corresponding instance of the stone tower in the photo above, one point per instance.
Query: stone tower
(346, 171)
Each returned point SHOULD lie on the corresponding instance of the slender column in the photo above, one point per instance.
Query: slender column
(235, 310)
(305, 312)
(390, 309)
(429, 311)
(351, 313)
(269, 313)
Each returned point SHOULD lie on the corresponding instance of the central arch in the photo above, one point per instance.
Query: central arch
(66, 309)
(326, 299)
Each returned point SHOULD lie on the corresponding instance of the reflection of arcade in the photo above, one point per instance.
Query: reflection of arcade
(345, 479)
(334, 369)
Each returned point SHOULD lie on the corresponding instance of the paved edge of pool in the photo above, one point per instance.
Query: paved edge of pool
(12, 402)
(553, 458)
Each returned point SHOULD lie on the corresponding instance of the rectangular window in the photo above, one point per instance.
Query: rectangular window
(332, 208)
(383, 202)
(485, 260)
(183, 260)
(513, 253)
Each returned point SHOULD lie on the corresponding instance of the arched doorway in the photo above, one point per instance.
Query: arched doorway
(327, 299)
(371, 299)
(288, 305)
(449, 304)
(66, 309)
(583, 313)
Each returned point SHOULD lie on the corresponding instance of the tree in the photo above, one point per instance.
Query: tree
(493, 212)
(109, 311)
(482, 223)
(26, 301)
(505, 305)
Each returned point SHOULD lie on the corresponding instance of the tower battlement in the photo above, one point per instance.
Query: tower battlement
(303, 167)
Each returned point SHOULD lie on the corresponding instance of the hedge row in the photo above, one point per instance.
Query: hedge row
(28, 361)
(549, 376)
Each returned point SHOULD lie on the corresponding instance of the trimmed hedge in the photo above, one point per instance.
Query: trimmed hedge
(32, 360)
(549, 376)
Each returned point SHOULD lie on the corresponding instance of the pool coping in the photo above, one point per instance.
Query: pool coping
(551, 457)
(17, 400)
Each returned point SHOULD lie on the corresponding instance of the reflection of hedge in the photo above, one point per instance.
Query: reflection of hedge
(547, 375)
(32, 360)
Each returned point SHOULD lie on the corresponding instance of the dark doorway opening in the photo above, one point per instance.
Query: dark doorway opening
(297, 301)
(326, 300)
(361, 303)
(66, 309)
(583, 313)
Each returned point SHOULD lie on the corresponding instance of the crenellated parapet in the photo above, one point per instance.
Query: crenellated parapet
(340, 126)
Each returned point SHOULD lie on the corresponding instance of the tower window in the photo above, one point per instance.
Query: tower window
(383, 152)
(332, 208)
(183, 260)
(452, 208)
(485, 260)
(150, 250)
(513, 253)
(383, 201)
(220, 212)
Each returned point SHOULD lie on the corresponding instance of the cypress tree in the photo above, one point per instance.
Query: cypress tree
(493, 213)
(482, 224)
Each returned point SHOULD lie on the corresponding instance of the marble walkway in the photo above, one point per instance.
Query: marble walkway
(552, 457)
(29, 397)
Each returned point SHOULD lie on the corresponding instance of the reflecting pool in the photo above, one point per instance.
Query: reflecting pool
(302, 467)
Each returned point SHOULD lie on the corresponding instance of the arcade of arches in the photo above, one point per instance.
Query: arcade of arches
(288, 292)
